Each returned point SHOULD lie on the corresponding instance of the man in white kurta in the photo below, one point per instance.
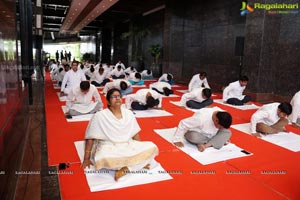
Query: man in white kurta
(100, 78)
(121, 84)
(167, 77)
(114, 147)
(163, 88)
(80, 100)
(295, 116)
(207, 127)
(198, 98)
(140, 100)
(198, 81)
(147, 74)
(72, 78)
(270, 118)
(129, 70)
(120, 64)
(233, 93)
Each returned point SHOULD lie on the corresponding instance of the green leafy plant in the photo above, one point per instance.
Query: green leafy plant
(155, 51)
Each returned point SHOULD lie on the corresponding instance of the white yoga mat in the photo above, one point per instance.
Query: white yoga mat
(176, 85)
(104, 179)
(209, 155)
(177, 103)
(243, 107)
(151, 113)
(290, 141)
(171, 95)
(79, 118)
(56, 86)
(63, 98)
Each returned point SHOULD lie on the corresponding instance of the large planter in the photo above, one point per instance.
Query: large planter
(156, 70)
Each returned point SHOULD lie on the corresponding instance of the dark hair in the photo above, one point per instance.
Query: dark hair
(110, 92)
(92, 69)
(243, 78)
(85, 85)
(151, 102)
(81, 66)
(148, 71)
(75, 62)
(137, 75)
(169, 77)
(224, 118)
(286, 108)
(167, 91)
(60, 69)
(101, 69)
(131, 68)
(203, 74)
(206, 92)
(123, 85)
(119, 67)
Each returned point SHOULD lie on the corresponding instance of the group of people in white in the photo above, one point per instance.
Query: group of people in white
(112, 139)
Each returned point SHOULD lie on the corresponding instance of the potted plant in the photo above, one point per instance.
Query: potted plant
(155, 51)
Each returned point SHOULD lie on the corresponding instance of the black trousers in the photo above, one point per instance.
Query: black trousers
(237, 102)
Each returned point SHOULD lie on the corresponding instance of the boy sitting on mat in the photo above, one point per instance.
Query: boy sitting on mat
(198, 98)
(80, 100)
(295, 116)
(270, 118)
(144, 99)
(209, 127)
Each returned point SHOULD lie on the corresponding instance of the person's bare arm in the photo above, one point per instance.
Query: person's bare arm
(87, 153)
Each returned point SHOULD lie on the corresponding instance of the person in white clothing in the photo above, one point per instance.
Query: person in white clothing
(118, 73)
(120, 64)
(167, 77)
(233, 93)
(80, 100)
(208, 127)
(270, 118)
(163, 88)
(123, 85)
(100, 78)
(147, 74)
(295, 116)
(72, 78)
(129, 70)
(198, 98)
(135, 79)
(61, 73)
(89, 72)
(112, 140)
(143, 99)
(198, 81)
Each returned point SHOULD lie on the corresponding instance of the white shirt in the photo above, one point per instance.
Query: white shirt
(122, 65)
(201, 122)
(132, 77)
(140, 96)
(129, 71)
(72, 79)
(99, 78)
(77, 97)
(195, 94)
(196, 82)
(115, 84)
(107, 69)
(60, 75)
(144, 73)
(164, 77)
(117, 73)
(266, 114)
(234, 90)
(160, 85)
(295, 102)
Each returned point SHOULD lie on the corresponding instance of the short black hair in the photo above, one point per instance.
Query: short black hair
(75, 62)
(203, 74)
(206, 92)
(286, 108)
(110, 92)
(92, 69)
(148, 71)
(123, 85)
(167, 91)
(138, 75)
(243, 78)
(151, 102)
(101, 69)
(131, 68)
(60, 69)
(169, 77)
(225, 119)
(119, 67)
(85, 85)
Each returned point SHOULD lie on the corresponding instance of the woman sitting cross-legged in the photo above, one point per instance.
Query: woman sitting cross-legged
(112, 140)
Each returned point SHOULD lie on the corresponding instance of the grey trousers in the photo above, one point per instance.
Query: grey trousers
(216, 141)
(75, 112)
(275, 128)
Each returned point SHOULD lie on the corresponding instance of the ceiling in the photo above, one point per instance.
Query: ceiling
(56, 11)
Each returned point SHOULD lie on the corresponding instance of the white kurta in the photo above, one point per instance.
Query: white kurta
(195, 94)
(114, 147)
(164, 77)
(60, 75)
(267, 114)
(144, 73)
(196, 82)
(115, 84)
(201, 122)
(234, 90)
(160, 85)
(117, 73)
(129, 71)
(99, 77)
(295, 102)
(121, 64)
(132, 77)
(140, 96)
(72, 79)
(83, 103)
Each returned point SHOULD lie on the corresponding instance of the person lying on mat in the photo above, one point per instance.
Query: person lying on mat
(167, 77)
(270, 118)
(80, 100)
(123, 85)
(209, 127)
(112, 140)
(163, 88)
(72, 78)
(143, 99)
(197, 99)
(295, 116)
(233, 93)
(147, 74)
(135, 78)
(198, 81)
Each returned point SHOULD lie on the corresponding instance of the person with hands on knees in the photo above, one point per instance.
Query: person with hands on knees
(112, 140)
(209, 127)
